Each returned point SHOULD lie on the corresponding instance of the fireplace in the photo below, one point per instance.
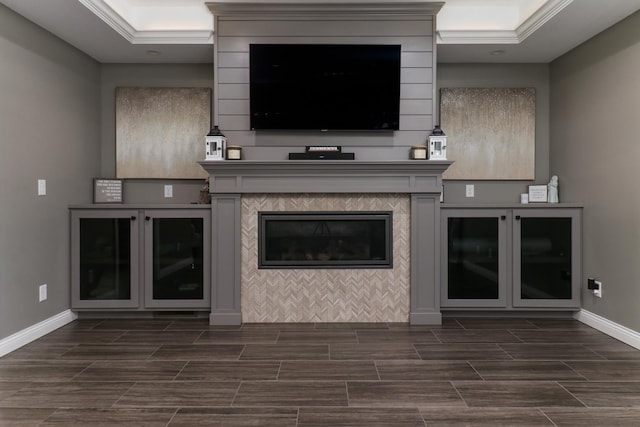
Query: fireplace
(408, 290)
(325, 240)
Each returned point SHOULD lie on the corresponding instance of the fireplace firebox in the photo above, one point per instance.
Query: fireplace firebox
(325, 240)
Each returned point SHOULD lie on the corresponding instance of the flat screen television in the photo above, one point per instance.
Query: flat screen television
(324, 87)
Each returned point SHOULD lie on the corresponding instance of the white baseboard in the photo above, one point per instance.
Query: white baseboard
(619, 332)
(32, 333)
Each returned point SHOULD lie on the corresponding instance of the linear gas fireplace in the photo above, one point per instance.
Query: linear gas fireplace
(325, 240)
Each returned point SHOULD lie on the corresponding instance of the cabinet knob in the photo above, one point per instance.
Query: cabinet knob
(133, 218)
(517, 216)
(503, 217)
(147, 218)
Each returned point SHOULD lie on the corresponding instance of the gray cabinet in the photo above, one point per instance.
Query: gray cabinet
(547, 254)
(511, 258)
(474, 253)
(128, 258)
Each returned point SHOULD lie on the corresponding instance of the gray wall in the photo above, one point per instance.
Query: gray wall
(147, 75)
(49, 117)
(595, 128)
(502, 75)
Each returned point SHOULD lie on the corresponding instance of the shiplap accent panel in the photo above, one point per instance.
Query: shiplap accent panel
(415, 34)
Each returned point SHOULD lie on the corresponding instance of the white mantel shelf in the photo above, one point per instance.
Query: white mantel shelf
(326, 176)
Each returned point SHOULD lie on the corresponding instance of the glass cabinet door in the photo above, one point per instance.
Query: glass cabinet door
(176, 259)
(474, 266)
(104, 259)
(546, 258)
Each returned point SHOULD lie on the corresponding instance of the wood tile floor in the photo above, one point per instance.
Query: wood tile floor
(181, 372)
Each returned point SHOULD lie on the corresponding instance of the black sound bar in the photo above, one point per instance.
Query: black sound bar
(315, 155)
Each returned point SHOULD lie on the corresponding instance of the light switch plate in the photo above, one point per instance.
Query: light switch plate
(168, 191)
(42, 292)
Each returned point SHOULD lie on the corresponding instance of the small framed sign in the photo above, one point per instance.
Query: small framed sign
(537, 194)
(107, 190)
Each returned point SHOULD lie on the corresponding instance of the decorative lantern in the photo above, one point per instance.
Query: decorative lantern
(215, 145)
(437, 144)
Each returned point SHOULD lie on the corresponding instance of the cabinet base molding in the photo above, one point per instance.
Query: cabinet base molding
(139, 314)
(509, 314)
(225, 319)
(619, 332)
(32, 333)
(425, 318)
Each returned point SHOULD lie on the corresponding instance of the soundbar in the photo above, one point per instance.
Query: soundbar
(319, 155)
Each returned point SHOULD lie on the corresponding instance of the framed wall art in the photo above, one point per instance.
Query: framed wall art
(160, 132)
(491, 132)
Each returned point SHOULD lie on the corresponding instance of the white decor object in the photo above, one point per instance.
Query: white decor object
(552, 190)
(215, 145)
(437, 144)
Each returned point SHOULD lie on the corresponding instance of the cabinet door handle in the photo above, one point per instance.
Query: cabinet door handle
(147, 218)
(517, 216)
(133, 218)
(503, 217)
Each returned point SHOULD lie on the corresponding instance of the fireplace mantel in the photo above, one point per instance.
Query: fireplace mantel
(421, 180)
(325, 176)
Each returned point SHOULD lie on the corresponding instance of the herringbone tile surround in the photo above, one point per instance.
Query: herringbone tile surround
(325, 295)
(183, 372)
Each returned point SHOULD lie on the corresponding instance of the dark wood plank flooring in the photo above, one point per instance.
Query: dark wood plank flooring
(183, 372)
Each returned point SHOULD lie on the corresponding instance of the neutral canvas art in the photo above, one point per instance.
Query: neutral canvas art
(490, 132)
(160, 132)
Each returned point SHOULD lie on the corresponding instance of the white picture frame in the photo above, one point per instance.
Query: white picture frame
(537, 194)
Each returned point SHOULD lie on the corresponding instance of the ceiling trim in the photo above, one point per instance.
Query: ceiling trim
(541, 17)
(294, 9)
(477, 37)
(518, 35)
(120, 25)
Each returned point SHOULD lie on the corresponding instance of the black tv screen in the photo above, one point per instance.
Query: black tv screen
(324, 87)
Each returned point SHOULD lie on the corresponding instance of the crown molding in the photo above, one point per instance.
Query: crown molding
(541, 17)
(524, 30)
(120, 25)
(477, 37)
(173, 37)
(324, 9)
(110, 17)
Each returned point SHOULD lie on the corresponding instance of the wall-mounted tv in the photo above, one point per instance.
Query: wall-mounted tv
(324, 87)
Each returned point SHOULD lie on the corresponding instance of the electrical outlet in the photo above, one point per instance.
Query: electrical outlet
(42, 292)
(168, 191)
(42, 187)
(470, 190)
(595, 286)
(597, 292)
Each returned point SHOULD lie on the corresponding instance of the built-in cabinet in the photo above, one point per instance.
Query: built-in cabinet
(525, 257)
(139, 258)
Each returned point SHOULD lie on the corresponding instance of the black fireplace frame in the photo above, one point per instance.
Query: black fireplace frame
(385, 262)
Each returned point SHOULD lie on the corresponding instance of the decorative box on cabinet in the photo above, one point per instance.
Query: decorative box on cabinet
(140, 258)
(505, 257)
